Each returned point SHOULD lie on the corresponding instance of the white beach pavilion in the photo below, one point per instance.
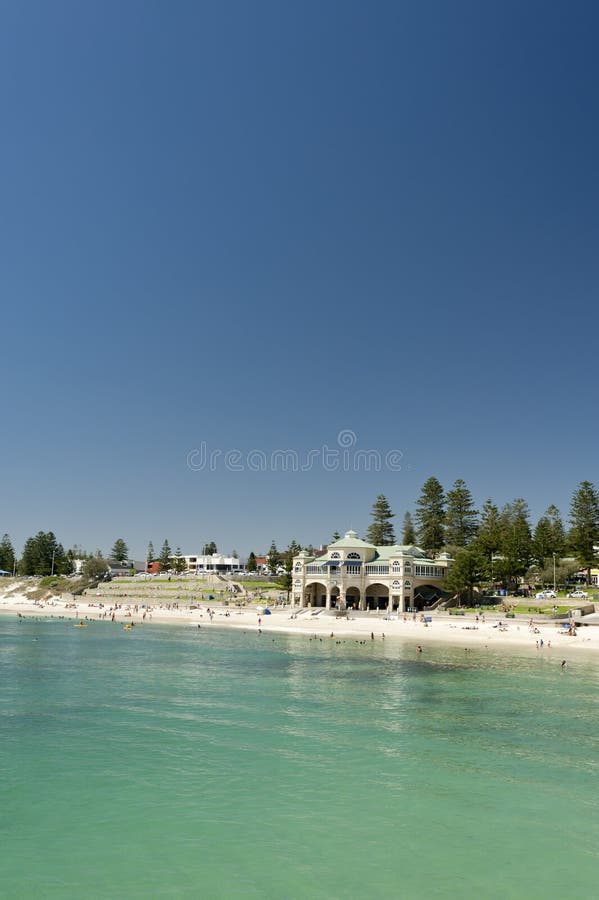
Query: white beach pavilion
(354, 574)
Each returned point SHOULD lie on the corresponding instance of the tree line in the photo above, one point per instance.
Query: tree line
(44, 555)
(491, 544)
(494, 544)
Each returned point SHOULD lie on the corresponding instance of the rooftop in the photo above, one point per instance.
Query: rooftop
(384, 554)
(350, 539)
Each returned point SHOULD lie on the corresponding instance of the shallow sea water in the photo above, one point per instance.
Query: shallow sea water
(176, 762)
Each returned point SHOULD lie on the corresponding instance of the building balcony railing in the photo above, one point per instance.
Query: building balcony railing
(373, 569)
(430, 572)
(348, 569)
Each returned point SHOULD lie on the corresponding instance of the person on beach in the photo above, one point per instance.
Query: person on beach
(418, 649)
(563, 664)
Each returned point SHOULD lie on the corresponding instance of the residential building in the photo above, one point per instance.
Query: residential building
(129, 567)
(260, 564)
(215, 562)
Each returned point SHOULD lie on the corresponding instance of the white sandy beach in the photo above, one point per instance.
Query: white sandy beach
(491, 631)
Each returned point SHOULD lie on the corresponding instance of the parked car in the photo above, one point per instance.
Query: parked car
(545, 595)
(578, 595)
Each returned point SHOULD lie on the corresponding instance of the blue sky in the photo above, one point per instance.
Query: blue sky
(252, 226)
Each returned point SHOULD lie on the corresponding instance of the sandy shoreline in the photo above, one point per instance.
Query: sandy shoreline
(465, 631)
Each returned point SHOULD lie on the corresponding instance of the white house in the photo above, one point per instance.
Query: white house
(214, 562)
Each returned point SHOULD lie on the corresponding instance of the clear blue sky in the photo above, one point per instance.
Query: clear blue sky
(254, 225)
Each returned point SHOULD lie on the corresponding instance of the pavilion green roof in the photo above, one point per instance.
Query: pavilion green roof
(388, 552)
(349, 540)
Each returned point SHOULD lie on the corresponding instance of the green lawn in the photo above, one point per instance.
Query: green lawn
(260, 585)
(520, 609)
(542, 610)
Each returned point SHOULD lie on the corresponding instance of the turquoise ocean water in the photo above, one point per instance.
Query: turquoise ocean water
(172, 762)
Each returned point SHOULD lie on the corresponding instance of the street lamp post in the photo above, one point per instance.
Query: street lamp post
(554, 581)
(52, 567)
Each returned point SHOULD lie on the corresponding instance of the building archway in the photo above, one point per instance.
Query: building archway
(352, 597)
(427, 594)
(315, 594)
(335, 591)
(377, 596)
